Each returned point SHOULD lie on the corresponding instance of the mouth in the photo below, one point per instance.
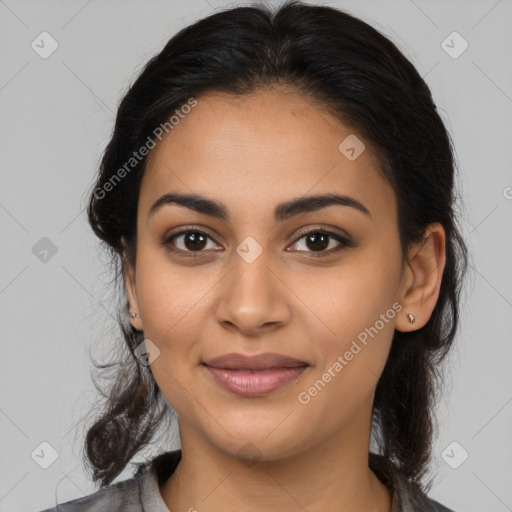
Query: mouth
(248, 382)
(254, 375)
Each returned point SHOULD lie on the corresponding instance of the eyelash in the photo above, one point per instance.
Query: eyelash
(344, 242)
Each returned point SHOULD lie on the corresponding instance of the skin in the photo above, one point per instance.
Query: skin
(251, 153)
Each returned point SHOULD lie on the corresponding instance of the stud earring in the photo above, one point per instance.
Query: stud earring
(411, 318)
(134, 315)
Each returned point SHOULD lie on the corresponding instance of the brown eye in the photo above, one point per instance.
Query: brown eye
(188, 241)
(194, 241)
(317, 241)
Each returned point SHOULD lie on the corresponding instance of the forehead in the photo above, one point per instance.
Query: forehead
(254, 151)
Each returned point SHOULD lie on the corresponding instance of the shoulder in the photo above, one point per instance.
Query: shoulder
(407, 495)
(438, 507)
(131, 495)
(123, 496)
(415, 500)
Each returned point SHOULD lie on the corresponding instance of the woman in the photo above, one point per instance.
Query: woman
(278, 201)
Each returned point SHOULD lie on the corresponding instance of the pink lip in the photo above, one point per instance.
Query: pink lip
(254, 383)
(264, 361)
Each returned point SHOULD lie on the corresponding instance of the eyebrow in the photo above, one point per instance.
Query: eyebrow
(282, 211)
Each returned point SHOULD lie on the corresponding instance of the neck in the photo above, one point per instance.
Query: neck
(330, 476)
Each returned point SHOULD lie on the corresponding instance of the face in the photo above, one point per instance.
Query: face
(318, 284)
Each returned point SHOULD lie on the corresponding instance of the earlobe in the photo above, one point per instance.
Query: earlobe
(422, 279)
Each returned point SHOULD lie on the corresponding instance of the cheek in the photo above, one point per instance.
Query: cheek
(346, 299)
(351, 316)
(173, 305)
(170, 296)
(173, 302)
(350, 361)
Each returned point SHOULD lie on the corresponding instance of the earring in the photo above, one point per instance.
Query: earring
(411, 318)
(134, 315)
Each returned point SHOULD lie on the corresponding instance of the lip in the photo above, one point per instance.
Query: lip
(257, 375)
(265, 361)
(252, 383)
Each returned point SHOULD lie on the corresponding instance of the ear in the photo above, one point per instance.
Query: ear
(421, 279)
(131, 289)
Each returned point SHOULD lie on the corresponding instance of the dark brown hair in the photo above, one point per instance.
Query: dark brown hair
(368, 84)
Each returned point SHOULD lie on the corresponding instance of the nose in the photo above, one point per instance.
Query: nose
(253, 297)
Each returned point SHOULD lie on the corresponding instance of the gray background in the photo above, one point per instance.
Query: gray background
(56, 117)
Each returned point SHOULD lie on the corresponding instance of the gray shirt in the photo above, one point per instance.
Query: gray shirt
(141, 493)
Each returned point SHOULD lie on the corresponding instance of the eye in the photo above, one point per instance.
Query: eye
(192, 240)
(319, 239)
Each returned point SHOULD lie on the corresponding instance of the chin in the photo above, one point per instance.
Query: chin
(256, 447)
